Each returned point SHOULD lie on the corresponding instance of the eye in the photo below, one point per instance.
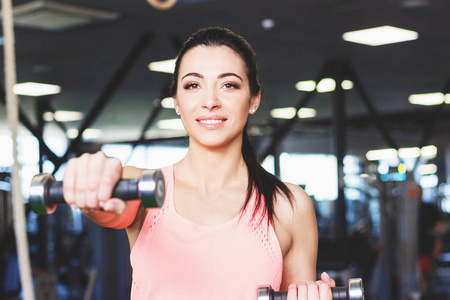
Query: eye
(231, 85)
(191, 86)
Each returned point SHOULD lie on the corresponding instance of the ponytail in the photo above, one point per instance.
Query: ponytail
(266, 184)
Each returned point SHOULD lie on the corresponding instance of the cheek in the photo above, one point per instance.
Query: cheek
(243, 114)
(183, 101)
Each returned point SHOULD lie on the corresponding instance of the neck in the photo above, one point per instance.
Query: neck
(211, 169)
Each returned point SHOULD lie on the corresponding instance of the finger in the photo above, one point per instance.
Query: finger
(112, 172)
(302, 291)
(96, 166)
(313, 290)
(324, 290)
(69, 182)
(326, 278)
(80, 180)
(115, 206)
(292, 292)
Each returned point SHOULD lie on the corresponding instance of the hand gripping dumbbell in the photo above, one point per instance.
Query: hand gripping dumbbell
(46, 193)
(353, 291)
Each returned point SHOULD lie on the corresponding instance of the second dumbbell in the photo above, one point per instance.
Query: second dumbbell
(353, 291)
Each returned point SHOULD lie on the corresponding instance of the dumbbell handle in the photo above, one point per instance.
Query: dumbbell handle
(353, 291)
(45, 192)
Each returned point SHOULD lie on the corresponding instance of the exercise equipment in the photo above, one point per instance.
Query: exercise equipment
(46, 193)
(354, 290)
(12, 112)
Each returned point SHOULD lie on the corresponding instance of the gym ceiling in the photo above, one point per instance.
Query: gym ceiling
(102, 67)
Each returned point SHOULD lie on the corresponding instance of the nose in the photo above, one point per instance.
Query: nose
(211, 101)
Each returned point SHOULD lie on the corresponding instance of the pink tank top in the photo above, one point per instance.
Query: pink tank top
(176, 258)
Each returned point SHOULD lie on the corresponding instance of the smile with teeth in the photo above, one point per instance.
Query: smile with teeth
(210, 121)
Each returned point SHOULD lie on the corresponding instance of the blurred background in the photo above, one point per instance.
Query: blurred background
(355, 109)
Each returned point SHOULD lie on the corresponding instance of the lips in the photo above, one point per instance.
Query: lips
(212, 122)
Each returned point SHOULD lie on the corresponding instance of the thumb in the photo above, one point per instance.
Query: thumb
(326, 278)
(116, 206)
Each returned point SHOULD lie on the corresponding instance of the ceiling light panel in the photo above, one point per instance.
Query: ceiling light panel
(63, 116)
(378, 36)
(427, 169)
(427, 99)
(326, 85)
(36, 89)
(307, 85)
(165, 66)
(283, 113)
(306, 112)
(429, 151)
(289, 113)
(381, 154)
(412, 152)
(88, 134)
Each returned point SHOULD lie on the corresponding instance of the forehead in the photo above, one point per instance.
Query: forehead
(212, 59)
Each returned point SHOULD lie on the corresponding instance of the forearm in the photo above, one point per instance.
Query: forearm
(113, 220)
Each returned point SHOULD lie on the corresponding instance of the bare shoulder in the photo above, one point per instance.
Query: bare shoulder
(291, 211)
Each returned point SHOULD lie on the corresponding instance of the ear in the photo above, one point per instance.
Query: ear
(255, 101)
(176, 105)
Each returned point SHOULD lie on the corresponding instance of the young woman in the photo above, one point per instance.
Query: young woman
(227, 226)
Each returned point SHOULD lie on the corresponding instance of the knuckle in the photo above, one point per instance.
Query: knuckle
(302, 287)
(107, 181)
(84, 156)
(79, 192)
(91, 185)
(99, 154)
(114, 163)
(99, 157)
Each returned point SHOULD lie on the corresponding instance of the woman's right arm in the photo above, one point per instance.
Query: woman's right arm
(88, 184)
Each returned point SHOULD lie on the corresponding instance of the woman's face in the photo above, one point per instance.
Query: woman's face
(213, 96)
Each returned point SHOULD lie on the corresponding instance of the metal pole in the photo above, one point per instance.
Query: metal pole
(40, 109)
(339, 147)
(373, 114)
(157, 108)
(280, 133)
(107, 93)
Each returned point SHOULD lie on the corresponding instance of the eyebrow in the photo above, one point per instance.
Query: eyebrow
(195, 74)
(223, 75)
